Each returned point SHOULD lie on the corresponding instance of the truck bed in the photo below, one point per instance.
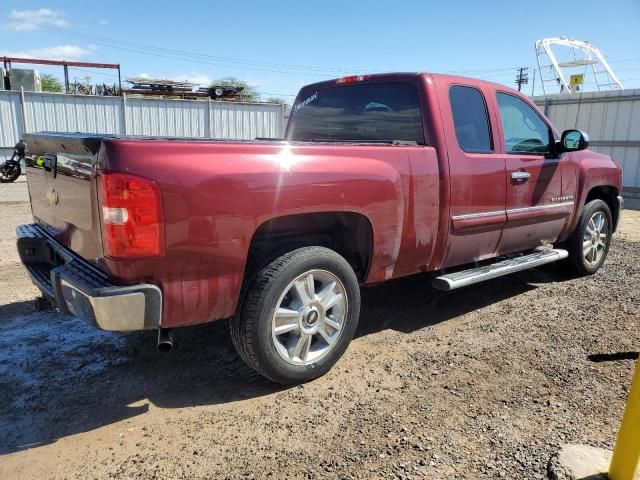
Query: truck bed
(217, 196)
(62, 188)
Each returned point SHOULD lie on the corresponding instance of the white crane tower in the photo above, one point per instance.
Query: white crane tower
(567, 73)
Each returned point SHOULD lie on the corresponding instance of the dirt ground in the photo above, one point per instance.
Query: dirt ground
(485, 382)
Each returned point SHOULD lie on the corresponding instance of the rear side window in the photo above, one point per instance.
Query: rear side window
(470, 119)
(524, 130)
(365, 112)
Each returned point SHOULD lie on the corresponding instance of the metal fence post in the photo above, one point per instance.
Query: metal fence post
(626, 453)
(546, 106)
(283, 123)
(208, 130)
(23, 108)
(124, 113)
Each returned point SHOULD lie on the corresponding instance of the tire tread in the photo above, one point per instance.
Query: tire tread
(244, 323)
(575, 263)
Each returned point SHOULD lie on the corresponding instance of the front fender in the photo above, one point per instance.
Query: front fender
(595, 170)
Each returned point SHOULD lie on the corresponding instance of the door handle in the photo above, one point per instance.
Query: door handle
(520, 177)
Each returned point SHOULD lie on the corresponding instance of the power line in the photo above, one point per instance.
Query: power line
(282, 68)
(232, 62)
(200, 58)
(624, 60)
(213, 57)
(485, 70)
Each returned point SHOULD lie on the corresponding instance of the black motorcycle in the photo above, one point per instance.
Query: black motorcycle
(11, 169)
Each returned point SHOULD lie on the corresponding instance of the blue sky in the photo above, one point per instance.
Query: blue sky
(280, 46)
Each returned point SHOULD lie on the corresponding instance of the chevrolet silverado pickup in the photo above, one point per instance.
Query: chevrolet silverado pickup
(378, 177)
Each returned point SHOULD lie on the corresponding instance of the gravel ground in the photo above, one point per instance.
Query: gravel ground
(486, 382)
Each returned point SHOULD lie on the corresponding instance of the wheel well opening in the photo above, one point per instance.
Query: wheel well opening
(348, 234)
(610, 196)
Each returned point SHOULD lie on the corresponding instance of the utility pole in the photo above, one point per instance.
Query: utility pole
(522, 78)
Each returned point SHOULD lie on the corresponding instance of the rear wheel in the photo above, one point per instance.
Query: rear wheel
(298, 316)
(589, 244)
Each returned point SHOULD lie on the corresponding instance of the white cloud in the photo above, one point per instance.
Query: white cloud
(61, 52)
(28, 20)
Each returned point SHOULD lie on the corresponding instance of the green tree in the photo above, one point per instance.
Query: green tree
(249, 94)
(278, 100)
(50, 83)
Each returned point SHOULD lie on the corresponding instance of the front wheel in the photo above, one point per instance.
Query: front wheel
(10, 171)
(589, 243)
(298, 316)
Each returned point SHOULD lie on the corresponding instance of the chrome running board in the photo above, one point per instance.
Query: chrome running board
(451, 281)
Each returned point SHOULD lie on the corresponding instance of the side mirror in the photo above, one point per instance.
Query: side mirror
(573, 141)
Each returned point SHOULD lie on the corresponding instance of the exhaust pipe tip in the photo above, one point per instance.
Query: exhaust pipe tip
(165, 340)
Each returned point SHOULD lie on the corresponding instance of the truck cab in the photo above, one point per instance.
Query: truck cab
(507, 183)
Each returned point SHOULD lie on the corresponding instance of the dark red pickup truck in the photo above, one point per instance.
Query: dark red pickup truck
(380, 176)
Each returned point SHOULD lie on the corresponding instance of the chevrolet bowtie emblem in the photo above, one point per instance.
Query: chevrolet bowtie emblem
(52, 196)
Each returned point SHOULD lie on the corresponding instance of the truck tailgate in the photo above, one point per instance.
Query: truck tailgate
(62, 189)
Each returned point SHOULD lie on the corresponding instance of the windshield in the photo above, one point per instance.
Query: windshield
(365, 112)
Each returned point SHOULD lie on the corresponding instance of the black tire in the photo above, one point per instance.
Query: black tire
(577, 263)
(10, 171)
(251, 329)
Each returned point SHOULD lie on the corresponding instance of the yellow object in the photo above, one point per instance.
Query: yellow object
(626, 453)
(577, 79)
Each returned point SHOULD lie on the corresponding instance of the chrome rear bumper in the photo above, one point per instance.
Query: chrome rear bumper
(78, 288)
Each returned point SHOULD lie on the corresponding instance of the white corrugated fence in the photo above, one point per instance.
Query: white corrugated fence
(612, 120)
(35, 112)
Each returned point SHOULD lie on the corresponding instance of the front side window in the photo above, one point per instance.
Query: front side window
(470, 119)
(358, 112)
(524, 130)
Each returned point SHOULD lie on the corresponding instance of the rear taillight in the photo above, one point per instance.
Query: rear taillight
(132, 221)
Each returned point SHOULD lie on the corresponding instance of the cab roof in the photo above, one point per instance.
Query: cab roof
(406, 77)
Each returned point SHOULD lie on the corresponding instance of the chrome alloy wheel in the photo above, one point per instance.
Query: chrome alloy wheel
(595, 238)
(309, 317)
